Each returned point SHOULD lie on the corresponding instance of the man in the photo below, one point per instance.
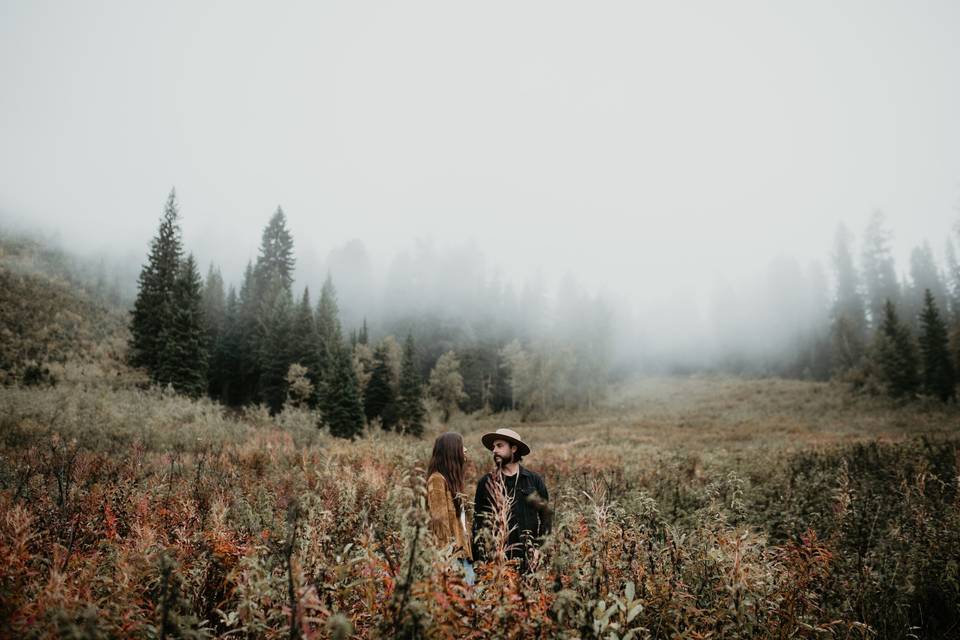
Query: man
(525, 492)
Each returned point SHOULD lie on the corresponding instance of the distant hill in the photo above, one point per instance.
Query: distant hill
(55, 323)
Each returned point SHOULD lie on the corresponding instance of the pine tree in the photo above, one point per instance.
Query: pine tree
(329, 335)
(248, 340)
(501, 394)
(271, 275)
(954, 341)
(849, 315)
(847, 344)
(476, 364)
(214, 303)
(896, 355)
(276, 252)
(410, 409)
(275, 358)
(153, 308)
(953, 291)
(342, 409)
(516, 370)
(228, 357)
(938, 374)
(364, 337)
(879, 272)
(183, 361)
(952, 282)
(214, 320)
(379, 398)
(924, 274)
(303, 342)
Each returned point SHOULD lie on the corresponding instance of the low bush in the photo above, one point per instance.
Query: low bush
(128, 513)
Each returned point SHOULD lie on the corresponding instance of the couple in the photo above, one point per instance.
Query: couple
(525, 492)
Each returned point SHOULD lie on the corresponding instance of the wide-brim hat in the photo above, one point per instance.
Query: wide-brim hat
(510, 436)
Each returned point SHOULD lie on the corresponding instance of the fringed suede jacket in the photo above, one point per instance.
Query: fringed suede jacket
(446, 525)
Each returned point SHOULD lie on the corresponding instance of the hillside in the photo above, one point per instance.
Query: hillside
(55, 324)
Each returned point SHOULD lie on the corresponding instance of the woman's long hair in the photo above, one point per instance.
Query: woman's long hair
(448, 460)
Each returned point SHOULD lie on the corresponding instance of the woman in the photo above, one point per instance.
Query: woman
(448, 520)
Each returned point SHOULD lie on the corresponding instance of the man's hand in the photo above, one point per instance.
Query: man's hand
(541, 505)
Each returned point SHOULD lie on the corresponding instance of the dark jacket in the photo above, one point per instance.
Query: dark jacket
(529, 519)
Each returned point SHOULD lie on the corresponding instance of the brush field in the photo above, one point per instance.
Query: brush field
(702, 507)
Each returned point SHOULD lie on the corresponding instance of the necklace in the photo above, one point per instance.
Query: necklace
(516, 476)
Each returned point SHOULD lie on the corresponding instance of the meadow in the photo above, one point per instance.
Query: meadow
(698, 507)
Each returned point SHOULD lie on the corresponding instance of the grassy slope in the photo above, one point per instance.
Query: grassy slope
(52, 320)
(723, 419)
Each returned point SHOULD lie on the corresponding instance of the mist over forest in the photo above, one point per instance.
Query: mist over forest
(669, 192)
(775, 321)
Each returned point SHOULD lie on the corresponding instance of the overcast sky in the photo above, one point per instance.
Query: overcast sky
(635, 144)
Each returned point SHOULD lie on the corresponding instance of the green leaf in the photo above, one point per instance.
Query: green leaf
(600, 609)
(630, 591)
(634, 612)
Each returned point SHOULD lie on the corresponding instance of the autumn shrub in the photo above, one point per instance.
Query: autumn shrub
(890, 512)
(133, 513)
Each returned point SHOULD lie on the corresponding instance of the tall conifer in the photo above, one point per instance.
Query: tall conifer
(924, 274)
(303, 341)
(364, 337)
(896, 355)
(276, 252)
(248, 340)
(342, 408)
(275, 349)
(228, 356)
(849, 315)
(379, 399)
(501, 395)
(214, 320)
(153, 308)
(410, 409)
(183, 362)
(879, 273)
(329, 334)
(938, 374)
(263, 282)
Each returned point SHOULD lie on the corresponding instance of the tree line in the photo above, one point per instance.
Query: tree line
(260, 344)
(895, 336)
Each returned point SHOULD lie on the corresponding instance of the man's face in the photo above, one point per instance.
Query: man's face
(503, 452)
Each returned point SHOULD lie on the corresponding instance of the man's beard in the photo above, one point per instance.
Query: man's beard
(497, 460)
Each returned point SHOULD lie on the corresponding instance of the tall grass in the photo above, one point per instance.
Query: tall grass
(126, 513)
